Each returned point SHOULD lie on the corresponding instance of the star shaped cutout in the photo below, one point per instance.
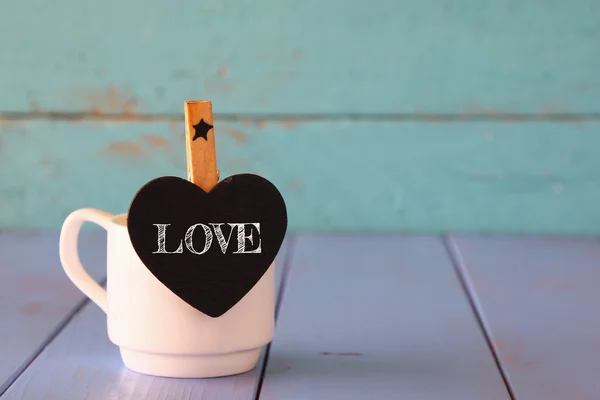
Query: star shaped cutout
(201, 130)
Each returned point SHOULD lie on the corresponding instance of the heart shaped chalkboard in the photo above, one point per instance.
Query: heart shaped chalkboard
(210, 248)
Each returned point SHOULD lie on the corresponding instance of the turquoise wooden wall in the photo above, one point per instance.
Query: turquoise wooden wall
(395, 115)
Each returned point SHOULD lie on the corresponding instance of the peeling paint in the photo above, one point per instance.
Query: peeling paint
(297, 55)
(156, 141)
(218, 85)
(514, 354)
(34, 106)
(245, 121)
(33, 308)
(110, 101)
(223, 71)
(238, 136)
(295, 184)
(124, 148)
(8, 126)
(289, 124)
(177, 130)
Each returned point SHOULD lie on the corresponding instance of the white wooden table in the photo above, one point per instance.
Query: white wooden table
(359, 317)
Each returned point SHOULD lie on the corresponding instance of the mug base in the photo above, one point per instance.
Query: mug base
(190, 366)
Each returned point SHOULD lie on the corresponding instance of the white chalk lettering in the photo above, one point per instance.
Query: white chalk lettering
(223, 242)
(207, 238)
(241, 237)
(162, 237)
(220, 238)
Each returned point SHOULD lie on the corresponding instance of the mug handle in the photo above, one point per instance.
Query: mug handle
(69, 256)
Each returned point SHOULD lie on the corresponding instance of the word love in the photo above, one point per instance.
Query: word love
(208, 238)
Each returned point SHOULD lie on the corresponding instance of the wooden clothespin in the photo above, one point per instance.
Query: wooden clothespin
(200, 144)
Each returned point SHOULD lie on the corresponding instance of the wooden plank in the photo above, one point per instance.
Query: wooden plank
(422, 177)
(284, 56)
(82, 363)
(36, 297)
(539, 298)
(369, 317)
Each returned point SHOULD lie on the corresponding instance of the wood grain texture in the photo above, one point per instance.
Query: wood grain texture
(540, 300)
(284, 56)
(422, 177)
(82, 363)
(369, 317)
(200, 151)
(36, 296)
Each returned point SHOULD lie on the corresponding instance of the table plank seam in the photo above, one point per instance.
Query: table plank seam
(573, 117)
(45, 343)
(462, 273)
(286, 265)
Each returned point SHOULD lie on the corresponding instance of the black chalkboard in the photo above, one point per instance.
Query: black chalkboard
(211, 248)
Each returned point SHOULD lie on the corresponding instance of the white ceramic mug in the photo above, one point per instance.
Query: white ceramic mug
(157, 332)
